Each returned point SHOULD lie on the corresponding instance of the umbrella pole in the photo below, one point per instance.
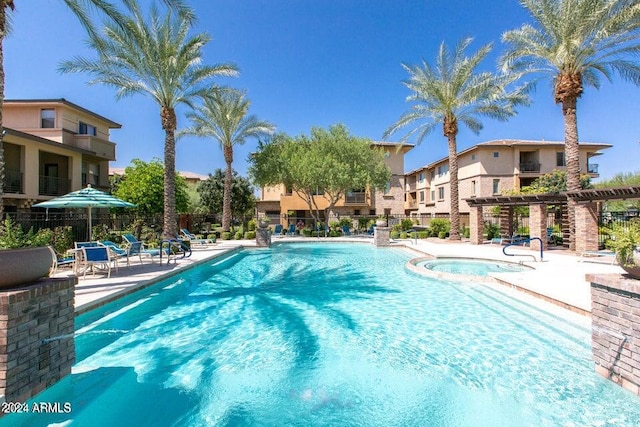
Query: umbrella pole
(90, 239)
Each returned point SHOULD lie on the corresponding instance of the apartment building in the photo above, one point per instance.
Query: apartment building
(490, 169)
(283, 206)
(52, 147)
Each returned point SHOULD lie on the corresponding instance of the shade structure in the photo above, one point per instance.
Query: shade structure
(88, 198)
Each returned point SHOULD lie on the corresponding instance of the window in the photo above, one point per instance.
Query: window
(496, 154)
(387, 189)
(442, 170)
(433, 195)
(433, 173)
(473, 157)
(496, 186)
(421, 177)
(473, 187)
(85, 129)
(372, 212)
(440, 193)
(422, 197)
(91, 174)
(47, 118)
(560, 158)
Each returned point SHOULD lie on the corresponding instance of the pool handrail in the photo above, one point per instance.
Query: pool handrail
(186, 250)
(520, 242)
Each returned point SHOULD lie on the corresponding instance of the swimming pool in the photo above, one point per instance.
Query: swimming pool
(334, 334)
(471, 267)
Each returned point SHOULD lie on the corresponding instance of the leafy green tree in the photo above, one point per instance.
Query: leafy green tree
(621, 180)
(154, 56)
(554, 183)
(326, 164)
(575, 43)
(223, 117)
(452, 92)
(143, 184)
(243, 201)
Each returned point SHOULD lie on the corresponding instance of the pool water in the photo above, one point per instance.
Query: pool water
(471, 267)
(329, 335)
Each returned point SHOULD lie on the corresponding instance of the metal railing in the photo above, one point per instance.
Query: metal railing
(51, 186)
(355, 198)
(530, 167)
(13, 181)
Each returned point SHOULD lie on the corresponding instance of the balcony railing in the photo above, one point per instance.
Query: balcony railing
(355, 199)
(592, 168)
(411, 204)
(530, 167)
(50, 186)
(13, 181)
(411, 186)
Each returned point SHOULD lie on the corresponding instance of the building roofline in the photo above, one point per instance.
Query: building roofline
(46, 141)
(112, 124)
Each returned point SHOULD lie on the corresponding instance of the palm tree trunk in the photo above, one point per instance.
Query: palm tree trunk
(3, 28)
(450, 127)
(169, 124)
(454, 233)
(226, 198)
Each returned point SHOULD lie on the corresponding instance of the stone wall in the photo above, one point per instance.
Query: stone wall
(615, 320)
(36, 337)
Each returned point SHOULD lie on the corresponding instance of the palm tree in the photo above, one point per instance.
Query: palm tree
(4, 4)
(575, 43)
(223, 117)
(451, 92)
(154, 57)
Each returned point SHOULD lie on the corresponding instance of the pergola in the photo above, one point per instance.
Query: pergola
(586, 215)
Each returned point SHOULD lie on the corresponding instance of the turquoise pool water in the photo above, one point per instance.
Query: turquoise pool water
(329, 335)
(470, 267)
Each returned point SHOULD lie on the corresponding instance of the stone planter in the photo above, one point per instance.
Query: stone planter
(381, 223)
(23, 266)
(633, 271)
(263, 224)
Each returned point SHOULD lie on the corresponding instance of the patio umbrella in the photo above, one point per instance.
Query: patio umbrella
(86, 198)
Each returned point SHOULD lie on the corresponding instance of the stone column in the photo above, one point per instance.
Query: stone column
(476, 224)
(538, 226)
(586, 219)
(615, 328)
(506, 221)
(263, 237)
(37, 347)
(381, 236)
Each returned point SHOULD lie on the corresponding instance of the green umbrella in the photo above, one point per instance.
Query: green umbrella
(86, 198)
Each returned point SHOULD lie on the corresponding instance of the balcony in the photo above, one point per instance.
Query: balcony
(592, 168)
(530, 167)
(50, 186)
(102, 148)
(355, 199)
(411, 187)
(13, 182)
(411, 204)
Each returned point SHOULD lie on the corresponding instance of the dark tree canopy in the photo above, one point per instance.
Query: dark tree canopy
(211, 192)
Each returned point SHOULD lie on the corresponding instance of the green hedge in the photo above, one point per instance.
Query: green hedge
(225, 235)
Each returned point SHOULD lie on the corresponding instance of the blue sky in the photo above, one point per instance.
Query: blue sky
(311, 63)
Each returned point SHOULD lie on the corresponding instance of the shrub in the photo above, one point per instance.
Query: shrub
(238, 235)
(523, 231)
(62, 239)
(249, 235)
(306, 232)
(251, 225)
(335, 225)
(334, 233)
(406, 224)
(467, 232)
(212, 236)
(438, 226)
(442, 235)
(225, 235)
(403, 235)
(394, 234)
(12, 236)
(491, 230)
(423, 234)
(345, 222)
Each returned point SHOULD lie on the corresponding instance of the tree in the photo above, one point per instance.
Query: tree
(153, 56)
(326, 164)
(212, 191)
(575, 43)
(143, 184)
(554, 183)
(223, 117)
(452, 92)
(620, 180)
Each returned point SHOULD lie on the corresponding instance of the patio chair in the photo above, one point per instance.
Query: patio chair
(292, 230)
(94, 257)
(137, 248)
(277, 230)
(194, 240)
(346, 231)
(116, 251)
(59, 261)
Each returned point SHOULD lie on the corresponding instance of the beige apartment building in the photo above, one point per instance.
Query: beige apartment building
(283, 206)
(52, 147)
(489, 169)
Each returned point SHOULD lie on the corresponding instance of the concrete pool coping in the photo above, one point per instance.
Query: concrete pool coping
(559, 279)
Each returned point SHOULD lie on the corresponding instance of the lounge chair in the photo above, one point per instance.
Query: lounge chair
(346, 231)
(195, 241)
(59, 261)
(589, 255)
(292, 230)
(136, 248)
(97, 256)
(277, 230)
